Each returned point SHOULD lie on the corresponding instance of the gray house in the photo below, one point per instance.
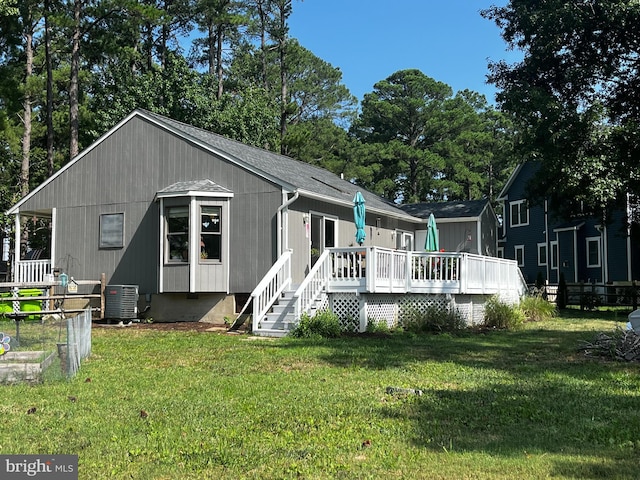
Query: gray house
(193, 219)
(465, 226)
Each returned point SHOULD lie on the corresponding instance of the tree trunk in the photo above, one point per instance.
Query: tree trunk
(49, 108)
(263, 41)
(219, 60)
(74, 99)
(284, 8)
(26, 134)
(211, 44)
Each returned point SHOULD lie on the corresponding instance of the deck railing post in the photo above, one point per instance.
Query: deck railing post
(408, 268)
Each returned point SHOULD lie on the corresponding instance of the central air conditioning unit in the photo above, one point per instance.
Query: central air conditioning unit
(121, 302)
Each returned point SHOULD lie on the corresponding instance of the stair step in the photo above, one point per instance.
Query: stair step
(266, 332)
(282, 308)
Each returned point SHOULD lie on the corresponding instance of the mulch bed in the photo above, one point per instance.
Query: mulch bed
(169, 326)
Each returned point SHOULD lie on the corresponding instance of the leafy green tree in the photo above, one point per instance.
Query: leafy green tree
(400, 113)
(220, 20)
(574, 95)
(319, 141)
(476, 147)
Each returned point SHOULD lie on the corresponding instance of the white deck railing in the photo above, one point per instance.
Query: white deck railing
(32, 271)
(383, 270)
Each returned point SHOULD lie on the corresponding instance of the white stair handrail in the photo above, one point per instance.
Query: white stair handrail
(313, 284)
(270, 287)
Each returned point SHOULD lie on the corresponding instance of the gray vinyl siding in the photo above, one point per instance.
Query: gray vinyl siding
(301, 244)
(488, 233)
(453, 236)
(122, 173)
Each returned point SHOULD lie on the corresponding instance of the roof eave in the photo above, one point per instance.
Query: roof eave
(336, 201)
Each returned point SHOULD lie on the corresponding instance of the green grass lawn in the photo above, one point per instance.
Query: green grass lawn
(186, 405)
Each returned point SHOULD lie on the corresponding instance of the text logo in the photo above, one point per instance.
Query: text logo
(49, 467)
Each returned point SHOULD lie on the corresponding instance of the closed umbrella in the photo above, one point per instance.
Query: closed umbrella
(359, 217)
(431, 243)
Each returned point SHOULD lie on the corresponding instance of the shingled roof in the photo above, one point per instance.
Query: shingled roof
(461, 209)
(292, 175)
(308, 179)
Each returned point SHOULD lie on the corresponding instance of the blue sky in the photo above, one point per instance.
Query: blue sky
(369, 40)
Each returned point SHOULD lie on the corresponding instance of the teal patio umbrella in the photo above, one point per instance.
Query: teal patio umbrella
(359, 217)
(431, 243)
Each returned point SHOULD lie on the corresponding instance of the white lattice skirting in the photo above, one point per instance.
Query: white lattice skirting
(355, 311)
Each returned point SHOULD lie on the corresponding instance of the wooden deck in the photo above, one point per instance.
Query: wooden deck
(375, 270)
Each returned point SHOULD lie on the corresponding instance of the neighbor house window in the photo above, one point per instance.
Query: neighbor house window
(542, 254)
(211, 233)
(519, 213)
(178, 233)
(593, 252)
(111, 230)
(519, 254)
(554, 254)
(500, 252)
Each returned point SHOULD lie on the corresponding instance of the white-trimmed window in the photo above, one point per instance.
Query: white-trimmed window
(553, 246)
(518, 252)
(593, 252)
(210, 233)
(404, 240)
(542, 254)
(111, 230)
(177, 219)
(519, 213)
(500, 252)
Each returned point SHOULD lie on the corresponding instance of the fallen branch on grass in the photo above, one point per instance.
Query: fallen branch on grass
(620, 345)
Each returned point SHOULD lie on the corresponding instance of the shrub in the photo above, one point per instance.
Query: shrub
(536, 308)
(434, 320)
(541, 288)
(500, 315)
(377, 326)
(590, 301)
(563, 292)
(323, 324)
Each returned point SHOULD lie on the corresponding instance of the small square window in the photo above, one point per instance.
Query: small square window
(111, 230)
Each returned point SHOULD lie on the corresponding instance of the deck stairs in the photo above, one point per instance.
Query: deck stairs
(281, 319)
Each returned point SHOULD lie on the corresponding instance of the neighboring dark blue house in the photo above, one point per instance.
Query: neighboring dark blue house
(584, 248)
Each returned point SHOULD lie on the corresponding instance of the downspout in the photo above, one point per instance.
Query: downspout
(546, 239)
(283, 230)
(575, 254)
(479, 236)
